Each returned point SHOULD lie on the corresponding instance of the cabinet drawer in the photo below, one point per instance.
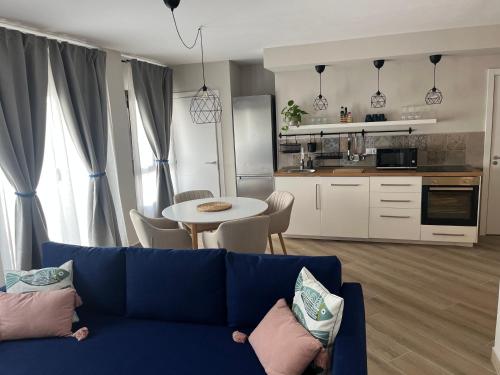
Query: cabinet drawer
(448, 233)
(346, 183)
(395, 200)
(396, 184)
(395, 223)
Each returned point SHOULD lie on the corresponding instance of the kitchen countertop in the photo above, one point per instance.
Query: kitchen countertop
(370, 172)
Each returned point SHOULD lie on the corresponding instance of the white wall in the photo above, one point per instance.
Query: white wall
(218, 74)
(461, 78)
(254, 79)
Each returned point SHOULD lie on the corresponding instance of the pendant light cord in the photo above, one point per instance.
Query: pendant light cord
(378, 80)
(180, 37)
(202, 58)
(434, 75)
(320, 84)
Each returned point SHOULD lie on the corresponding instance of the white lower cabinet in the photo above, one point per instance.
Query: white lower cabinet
(306, 214)
(345, 206)
(364, 207)
(442, 233)
(395, 223)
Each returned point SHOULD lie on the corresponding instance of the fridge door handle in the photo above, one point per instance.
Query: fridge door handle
(211, 162)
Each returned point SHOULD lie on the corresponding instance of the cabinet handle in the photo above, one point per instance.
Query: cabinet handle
(345, 184)
(450, 188)
(449, 234)
(317, 196)
(396, 200)
(395, 184)
(396, 216)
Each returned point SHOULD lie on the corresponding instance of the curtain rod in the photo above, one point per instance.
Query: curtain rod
(27, 29)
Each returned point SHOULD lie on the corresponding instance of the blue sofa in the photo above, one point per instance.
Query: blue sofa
(173, 312)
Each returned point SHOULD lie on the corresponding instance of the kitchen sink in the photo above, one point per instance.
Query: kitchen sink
(298, 170)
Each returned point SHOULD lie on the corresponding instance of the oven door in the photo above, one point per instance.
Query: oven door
(450, 205)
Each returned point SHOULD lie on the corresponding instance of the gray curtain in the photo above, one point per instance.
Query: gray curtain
(23, 108)
(153, 91)
(79, 76)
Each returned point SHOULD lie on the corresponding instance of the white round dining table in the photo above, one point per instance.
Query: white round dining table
(187, 212)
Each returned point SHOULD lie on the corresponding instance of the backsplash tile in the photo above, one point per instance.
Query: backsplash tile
(433, 149)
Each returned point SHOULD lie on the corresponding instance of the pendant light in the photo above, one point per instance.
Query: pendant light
(378, 99)
(205, 107)
(320, 103)
(434, 95)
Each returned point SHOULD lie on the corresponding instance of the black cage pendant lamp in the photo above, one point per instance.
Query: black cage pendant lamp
(378, 99)
(434, 95)
(205, 107)
(320, 103)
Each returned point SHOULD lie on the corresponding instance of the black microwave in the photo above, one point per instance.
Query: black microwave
(396, 158)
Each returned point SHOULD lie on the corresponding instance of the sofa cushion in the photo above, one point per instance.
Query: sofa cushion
(98, 274)
(256, 282)
(177, 285)
(118, 345)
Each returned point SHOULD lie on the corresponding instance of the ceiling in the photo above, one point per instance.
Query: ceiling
(236, 29)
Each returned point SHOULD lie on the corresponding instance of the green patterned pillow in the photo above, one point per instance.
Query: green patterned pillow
(318, 310)
(42, 280)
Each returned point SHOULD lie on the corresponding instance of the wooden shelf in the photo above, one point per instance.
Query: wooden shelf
(357, 126)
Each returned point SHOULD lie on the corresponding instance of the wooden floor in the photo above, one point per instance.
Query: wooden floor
(429, 309)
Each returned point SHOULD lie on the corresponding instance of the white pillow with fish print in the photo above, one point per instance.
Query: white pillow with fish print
(42, 280)
(318, 310)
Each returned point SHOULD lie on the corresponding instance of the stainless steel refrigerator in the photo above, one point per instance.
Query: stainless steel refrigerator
(254, 119)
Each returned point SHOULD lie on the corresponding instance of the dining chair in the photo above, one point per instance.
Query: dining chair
(192, 195)
(243, 236)
(279, 210)
(160, 233)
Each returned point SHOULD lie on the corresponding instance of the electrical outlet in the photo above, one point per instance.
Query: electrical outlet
(371, 151)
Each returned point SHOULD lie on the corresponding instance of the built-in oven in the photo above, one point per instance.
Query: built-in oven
(450, 200)
(396, 158)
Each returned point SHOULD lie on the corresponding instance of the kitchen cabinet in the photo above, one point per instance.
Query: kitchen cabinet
(306, 211)
(395, 223)
(345, 206)
(448, 233)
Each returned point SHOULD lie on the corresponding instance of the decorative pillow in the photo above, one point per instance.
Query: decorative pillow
(42, 280)
(282, 345)
(318, 310)
(35, 315)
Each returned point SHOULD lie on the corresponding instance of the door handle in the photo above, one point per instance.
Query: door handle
(211, 162)
(317, 196)
(395, 184)
(345, 184)
(396, 200)
(449, 234)
(395, 216)
(496, 157)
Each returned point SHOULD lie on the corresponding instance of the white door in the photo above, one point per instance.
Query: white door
(345, 206)
(493, 216)
(306, 210)
(195, 156)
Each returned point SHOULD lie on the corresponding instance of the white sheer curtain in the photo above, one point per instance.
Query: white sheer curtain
(63, 183)
(144, 159)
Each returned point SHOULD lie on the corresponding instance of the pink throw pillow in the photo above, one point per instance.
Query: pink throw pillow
(38, 314)
(282, 345)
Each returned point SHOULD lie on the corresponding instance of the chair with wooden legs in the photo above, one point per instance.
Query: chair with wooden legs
(192, 195)
(279, 210)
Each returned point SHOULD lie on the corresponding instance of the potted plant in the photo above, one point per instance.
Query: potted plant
(292, 115)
